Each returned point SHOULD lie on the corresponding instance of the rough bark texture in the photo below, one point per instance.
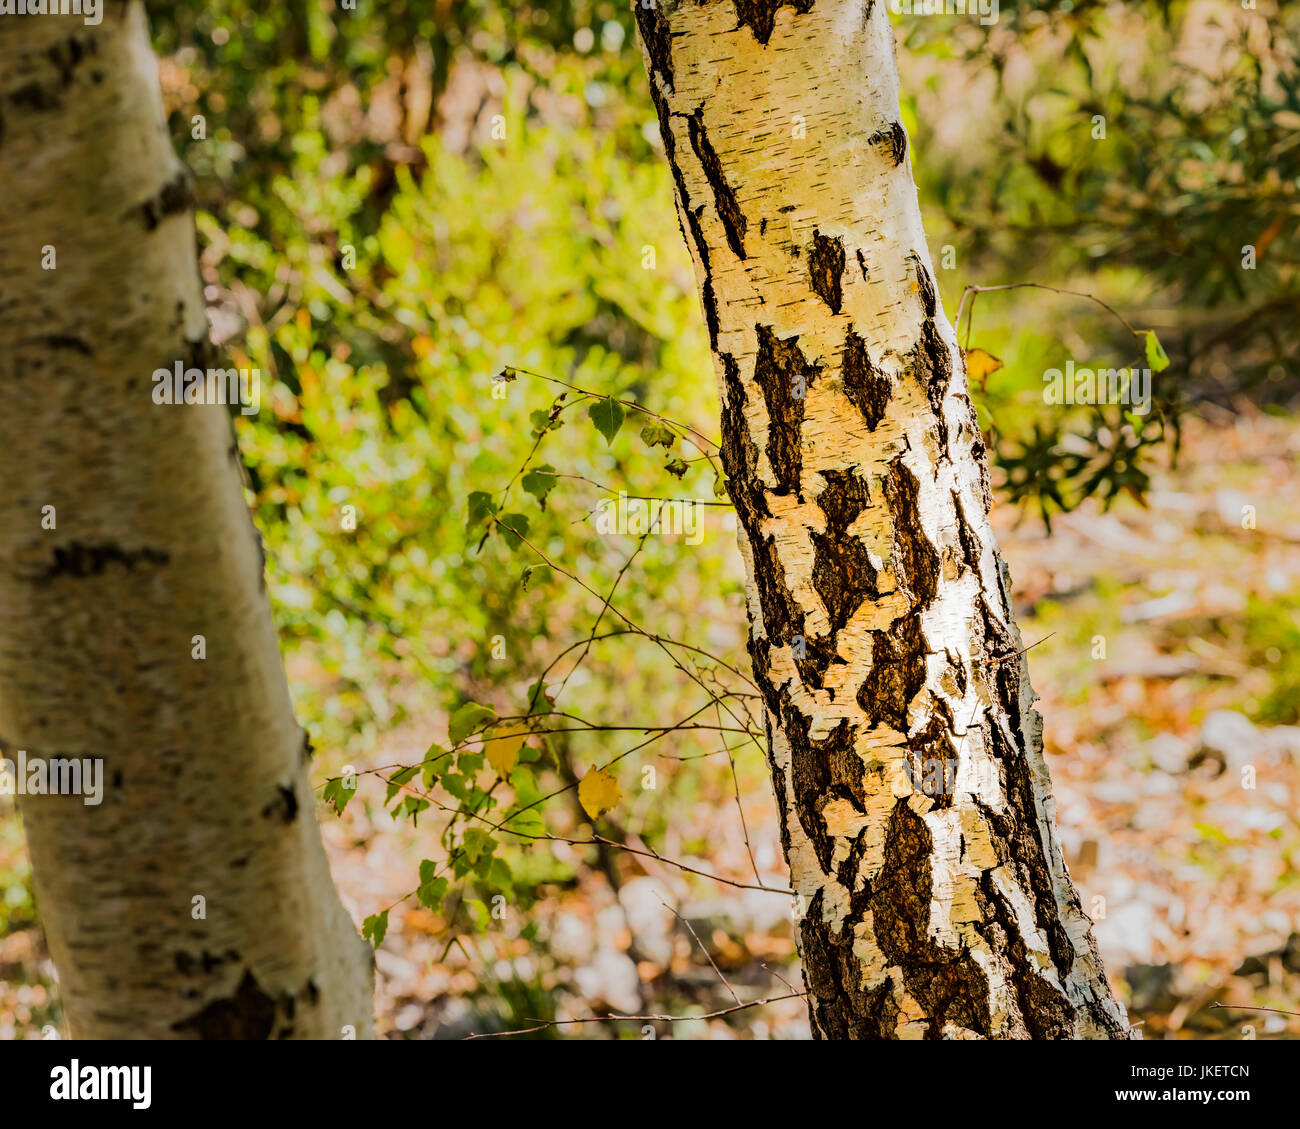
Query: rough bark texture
(881, 630)
(206, 790)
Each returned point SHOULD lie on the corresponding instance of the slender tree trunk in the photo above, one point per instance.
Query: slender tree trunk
(195, 901)
(905, 752)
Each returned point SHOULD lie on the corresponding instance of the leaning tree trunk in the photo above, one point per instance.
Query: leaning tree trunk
(905, 752)
(195, 901)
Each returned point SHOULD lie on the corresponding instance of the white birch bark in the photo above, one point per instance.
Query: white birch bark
(881, 629)
(206, 794)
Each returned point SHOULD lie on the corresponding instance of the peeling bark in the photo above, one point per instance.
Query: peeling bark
(203, 763)
(881, 633)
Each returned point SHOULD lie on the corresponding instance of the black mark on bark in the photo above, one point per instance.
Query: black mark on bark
(733, 219)
(658, 40)
(893, 141)
(842, 574)
(826, 269)
(80, 561)
(867, 389)
(784, 375)
(284, 806)
(250, 1014)
(760, 15)
(173, 198)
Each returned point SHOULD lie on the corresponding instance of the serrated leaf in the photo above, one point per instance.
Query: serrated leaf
(607, 415)
(658, 434)
(470, 718)
(375, 928)
(338, 794)
(598, 792)
(1157, 358)
(540, 482)
(432, 892)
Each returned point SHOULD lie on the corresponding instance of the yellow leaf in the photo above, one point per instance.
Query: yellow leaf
(598, 791)
(502, 748)
(981, 365)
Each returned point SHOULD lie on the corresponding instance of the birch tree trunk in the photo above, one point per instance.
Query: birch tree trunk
(906, 756)
(195, 901)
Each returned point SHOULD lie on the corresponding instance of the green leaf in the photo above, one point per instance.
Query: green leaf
(338, 794)
(481, 507)
(435, 760)
(540, 482)
(400, 777)
(375, 928)
(542, 423)
(539, 702)
(542, 570)
(658, 434)
(676, 467)
(432, 889)
(477, 843)
(470, 718)
(515, 527)
(1157, 358)
(607, 415)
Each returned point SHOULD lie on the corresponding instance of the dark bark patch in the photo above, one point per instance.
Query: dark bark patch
(173, 198)
(843, 575)
(60, 341)
(250, 1014)
(658, 40)
(36, 97)
(1047, 1014)
(916, 561)
(867, 389)
(840, 1008)
(970, 545)
(930, 363)
(897, 672)
(892, 140)
(782, 617)
(284, 806)
(826, 269)
(810, 774)
(68, 55)
(724, 197)
(79, 561)
(760, 15)
(925, 285)
(784, 376)
(949, 985)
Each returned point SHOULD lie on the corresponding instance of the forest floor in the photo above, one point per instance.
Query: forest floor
(1156, 636)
